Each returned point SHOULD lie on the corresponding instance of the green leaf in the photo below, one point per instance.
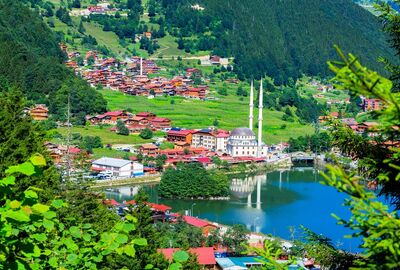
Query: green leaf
(73, 259)
(71, 244)
(40, 237)
(30, 194)
(140, 242)
(149, 266)
(15, 204)
(19, 216)
(130, 250)
(75, 232)
(128, 227)
(40, 208)
(53, 261)
(25, 168)
(175, 266)
(58, 203)
(9, 180)
(87, 237)
(121, 238)
(49, 214)
(48, 224)
(181, 256)
(38, 160)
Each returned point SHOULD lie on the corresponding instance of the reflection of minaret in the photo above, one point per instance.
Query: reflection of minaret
(141, 66)
(249, 200)
(258, 205)
(260, 120)
(251, 106)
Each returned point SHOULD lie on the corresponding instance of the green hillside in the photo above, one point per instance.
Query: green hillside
(30, 58)
(282, 38)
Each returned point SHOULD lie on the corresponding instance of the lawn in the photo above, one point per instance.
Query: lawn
(229, 111)
(169, 48)
(108, 39)
(106, 152)
(105, 134)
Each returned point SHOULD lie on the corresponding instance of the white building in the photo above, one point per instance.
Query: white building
(118, 167)
(242, 142)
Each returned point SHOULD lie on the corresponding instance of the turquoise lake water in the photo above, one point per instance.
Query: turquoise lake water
(277, 201)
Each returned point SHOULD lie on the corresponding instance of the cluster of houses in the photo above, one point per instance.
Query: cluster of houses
(215, 257)
(100, 8)
(132, 77)
(135, 123)
(359, 128)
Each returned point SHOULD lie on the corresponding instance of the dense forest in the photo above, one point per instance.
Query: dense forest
(280, 38)
(30, 59)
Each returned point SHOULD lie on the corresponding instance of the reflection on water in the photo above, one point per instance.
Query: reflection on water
(268, 203)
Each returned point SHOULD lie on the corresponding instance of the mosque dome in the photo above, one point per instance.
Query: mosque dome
(242, 132)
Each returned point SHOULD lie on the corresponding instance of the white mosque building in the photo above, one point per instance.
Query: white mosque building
(242, 141)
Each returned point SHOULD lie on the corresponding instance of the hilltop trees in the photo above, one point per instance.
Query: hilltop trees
(292, 44)
(31, 49)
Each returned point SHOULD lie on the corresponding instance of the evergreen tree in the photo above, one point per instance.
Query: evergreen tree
(81, 28)
(121, 128)
(19, 140)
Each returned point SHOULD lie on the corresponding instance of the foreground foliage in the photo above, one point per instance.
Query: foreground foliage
(32, 237)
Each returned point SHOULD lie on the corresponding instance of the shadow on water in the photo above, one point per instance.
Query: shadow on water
(269, 203)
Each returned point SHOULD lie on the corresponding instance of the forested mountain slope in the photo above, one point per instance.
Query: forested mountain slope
(284, 38)
(30, 58)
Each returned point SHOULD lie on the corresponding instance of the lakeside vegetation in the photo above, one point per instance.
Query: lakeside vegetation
(193, 181)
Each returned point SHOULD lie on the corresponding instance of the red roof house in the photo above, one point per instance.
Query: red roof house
(205, 255)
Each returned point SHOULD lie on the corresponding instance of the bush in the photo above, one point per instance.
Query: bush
(146, 134)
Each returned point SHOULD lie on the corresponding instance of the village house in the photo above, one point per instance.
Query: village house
(371, 104)
(183, 135)
(39, 113)
(109, 118)
(149, 150)
(205, 256)
(160, 123)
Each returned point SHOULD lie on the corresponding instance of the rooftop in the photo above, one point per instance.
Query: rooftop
(242, 132)
(205, 255)
(111, 162)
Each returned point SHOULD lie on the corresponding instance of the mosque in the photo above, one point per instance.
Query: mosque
(242, 141)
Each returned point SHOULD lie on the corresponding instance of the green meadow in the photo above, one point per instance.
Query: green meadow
(105, 134)
(229, 111)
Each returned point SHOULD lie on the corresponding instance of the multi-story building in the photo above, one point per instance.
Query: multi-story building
(180, 136)
(39, 113)
(214, 140)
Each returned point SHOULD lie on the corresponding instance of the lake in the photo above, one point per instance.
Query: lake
(269, 203)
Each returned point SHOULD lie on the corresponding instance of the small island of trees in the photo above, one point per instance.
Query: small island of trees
(193, 181)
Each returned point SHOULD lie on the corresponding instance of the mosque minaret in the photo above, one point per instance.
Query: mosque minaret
(242, 141)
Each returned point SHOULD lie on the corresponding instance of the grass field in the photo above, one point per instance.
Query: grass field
(106, 152)
(105, 134)
(230, 113)
(108, 39)
(169, 48)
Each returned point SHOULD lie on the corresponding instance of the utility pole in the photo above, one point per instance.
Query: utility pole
(68, 140)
